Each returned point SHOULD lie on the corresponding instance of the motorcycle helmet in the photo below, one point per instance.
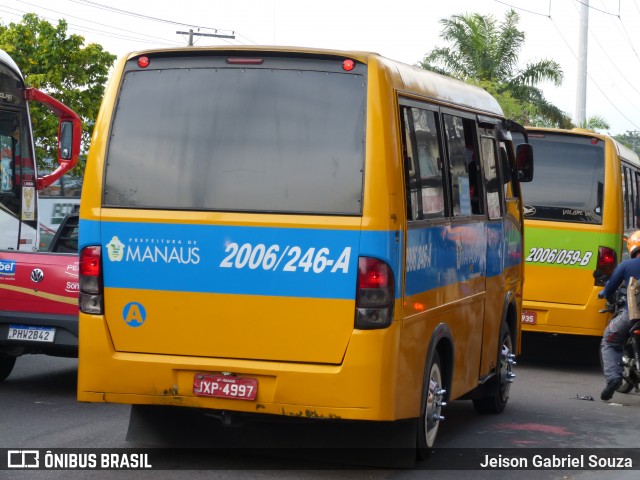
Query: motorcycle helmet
(633, 243)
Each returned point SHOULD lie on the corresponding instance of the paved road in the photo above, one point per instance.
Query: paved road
(39, 410)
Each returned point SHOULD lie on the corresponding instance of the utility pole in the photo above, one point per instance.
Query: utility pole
(581, 91)
(191, 34)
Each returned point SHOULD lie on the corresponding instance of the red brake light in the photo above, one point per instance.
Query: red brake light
(90, 261)
(143, 62)
(372, 273)
(375, 294)
(245, 61)
(606, 260)
(90, 300)
(348, 65)
(606, 264)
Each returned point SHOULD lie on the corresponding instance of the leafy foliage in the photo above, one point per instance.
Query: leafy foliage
(595, 122)
(630, 139)
(485, 52)
(61, 66)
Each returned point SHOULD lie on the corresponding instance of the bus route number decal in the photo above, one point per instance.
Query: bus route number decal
(559, 257)
(289, 259)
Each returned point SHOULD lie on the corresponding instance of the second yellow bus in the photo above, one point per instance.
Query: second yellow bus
(584, 198)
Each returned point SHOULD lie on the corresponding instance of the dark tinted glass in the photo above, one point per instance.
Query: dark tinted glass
(16, 166)
(11, 87)
(463, 155)
(238, 139)
(66, 238)
(568, 179)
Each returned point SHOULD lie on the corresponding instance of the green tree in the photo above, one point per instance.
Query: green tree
(630, 139)
(60, 65)
(595, 122)
(485, 52)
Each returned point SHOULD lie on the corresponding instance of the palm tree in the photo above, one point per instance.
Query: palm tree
(595, 122)
(484, 52)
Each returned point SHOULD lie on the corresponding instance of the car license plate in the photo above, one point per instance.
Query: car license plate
(529, 318)
(225, 386)
(32, 334)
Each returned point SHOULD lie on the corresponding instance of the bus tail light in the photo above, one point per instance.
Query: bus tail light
(375, 294)
(91, 289)
(607, 261)
(245, 61)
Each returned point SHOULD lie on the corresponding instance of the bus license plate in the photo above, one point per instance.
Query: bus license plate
(225, 386)
(529, 318)
(32, 334)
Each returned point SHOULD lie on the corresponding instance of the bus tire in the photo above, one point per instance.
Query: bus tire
(495, 400)
(6, 365)
(431, 407)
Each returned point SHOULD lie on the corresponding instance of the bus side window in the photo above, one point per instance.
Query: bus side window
(460, 134)
(491, 177)
(511, 185)
(626, 198)
(637, 209)
(9, 171)
(423, 165)
(636, 206)
(409, 152)
(631, 198)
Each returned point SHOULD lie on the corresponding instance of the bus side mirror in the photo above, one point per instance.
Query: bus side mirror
(69, 135)
(65, 136)
(524, 162)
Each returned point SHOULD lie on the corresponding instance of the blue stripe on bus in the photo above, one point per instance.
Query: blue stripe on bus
(444, 255)
(449, 254)
(292, 262)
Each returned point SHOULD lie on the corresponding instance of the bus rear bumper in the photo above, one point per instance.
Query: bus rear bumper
(352, 390)
(564, 318)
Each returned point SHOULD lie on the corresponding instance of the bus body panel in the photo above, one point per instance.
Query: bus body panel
(561, 258)
(38, 286)
(181, 289)
(350, 390)
(18, 197)
(230, 306)
(53, 290)
(561, 253)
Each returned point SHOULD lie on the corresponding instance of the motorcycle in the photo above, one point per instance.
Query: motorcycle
(631, 347)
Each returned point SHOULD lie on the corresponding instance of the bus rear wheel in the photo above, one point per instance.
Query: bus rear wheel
(498, 388)
(432, 403)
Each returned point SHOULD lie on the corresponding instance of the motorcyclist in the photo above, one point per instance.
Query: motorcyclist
(618, 328)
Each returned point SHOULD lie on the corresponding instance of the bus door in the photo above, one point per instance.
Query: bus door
(17, 184)
(446, 238)
(495, 278)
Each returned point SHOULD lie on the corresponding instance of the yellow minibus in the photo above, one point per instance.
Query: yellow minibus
(583, 200)
(300, 232)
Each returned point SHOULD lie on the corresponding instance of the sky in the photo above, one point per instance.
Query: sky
(403, 30)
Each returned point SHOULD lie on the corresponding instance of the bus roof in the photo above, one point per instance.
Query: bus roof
(8, 61)
(624, 152)
(405, 78)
